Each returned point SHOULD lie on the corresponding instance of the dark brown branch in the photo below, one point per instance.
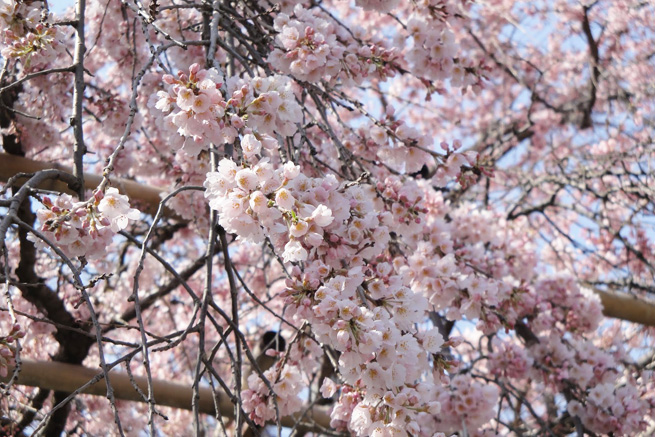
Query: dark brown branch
(585, 122)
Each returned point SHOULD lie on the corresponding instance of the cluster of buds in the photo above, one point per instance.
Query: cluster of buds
(36, 47)
(372, 61)
(8, 348)
(400, 202)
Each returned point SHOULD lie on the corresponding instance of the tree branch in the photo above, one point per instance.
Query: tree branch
(78, 98)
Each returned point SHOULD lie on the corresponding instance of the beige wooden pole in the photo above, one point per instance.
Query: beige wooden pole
(626, 307)
(69, 378)
(63, 377)
(148, 197)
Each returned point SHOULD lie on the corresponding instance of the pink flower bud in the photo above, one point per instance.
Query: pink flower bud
(237, 122)
(455, 341)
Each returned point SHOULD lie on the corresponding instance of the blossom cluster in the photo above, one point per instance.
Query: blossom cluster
(562, 301)
(401, 146)
(509, 360)
(612, 410)
(28, 35)
(197, 113)
(370, 317)
(434, 52)
(365, 311)
(304, 217)
(85, 228)
(605, 400)
(7, 348)
(259, 201)
(450, 266)
(466, 404)
(261, 404)
(312, 48)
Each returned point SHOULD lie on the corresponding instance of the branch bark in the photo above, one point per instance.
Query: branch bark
(78, 98)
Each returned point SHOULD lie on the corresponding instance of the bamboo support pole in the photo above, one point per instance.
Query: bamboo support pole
(148, 197)
(626, 307)
(63, 377)
(68, 378)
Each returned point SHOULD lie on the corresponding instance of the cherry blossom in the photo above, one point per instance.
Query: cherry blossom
(365, 218)
(85, 228)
